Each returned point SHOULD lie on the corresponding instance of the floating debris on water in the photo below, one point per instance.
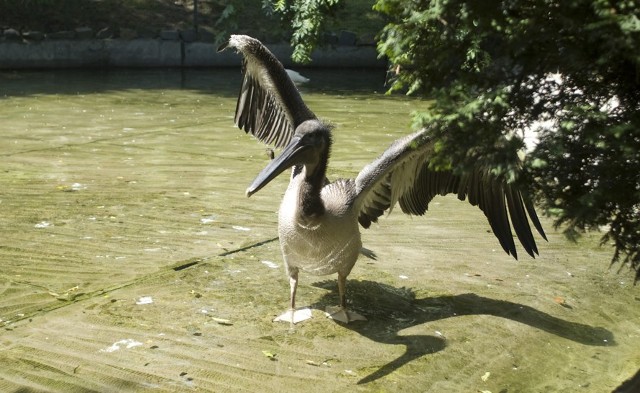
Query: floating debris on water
(222, 321)
(72, 188)
(144, 300)
(127, 343)
(43, 224)
(316, 364)
(270, 264)
(239, 228)
(207, 219)
(486, 376)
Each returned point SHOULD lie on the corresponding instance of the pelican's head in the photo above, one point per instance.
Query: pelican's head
(309, 146)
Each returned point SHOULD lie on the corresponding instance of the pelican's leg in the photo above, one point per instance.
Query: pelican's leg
(341, 313)
(292, 315)
(293, 285)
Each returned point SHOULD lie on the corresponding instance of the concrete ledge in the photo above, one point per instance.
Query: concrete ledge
(90, 53)
(108, 53)
(143, 53)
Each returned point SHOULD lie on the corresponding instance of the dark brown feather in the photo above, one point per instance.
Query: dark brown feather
(502, 204)
(269, 105)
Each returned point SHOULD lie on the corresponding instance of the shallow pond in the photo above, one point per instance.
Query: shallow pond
(132, 261)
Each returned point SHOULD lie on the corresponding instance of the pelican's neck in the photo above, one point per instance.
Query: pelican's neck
(312, 181)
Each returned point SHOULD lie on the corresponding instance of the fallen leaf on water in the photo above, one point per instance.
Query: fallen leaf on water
(223, 321)
(559, 299)
(270, 355)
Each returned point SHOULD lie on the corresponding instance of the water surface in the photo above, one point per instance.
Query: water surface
(120, 186)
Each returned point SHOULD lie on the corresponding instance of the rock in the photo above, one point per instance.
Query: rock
(33, 35)
(107, 32)
(128, 34)
(367, 40)
(331, 38)
(62, 35)
(189, 35)
(170, 35)
(148, 33)
(347, 38)
(12, 34)
(206, 35)
(84, 33)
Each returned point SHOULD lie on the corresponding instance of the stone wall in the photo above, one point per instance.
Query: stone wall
(164, 51)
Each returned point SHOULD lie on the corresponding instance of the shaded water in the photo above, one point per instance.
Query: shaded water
(123, 185)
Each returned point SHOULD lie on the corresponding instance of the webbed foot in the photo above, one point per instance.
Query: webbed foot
(294, 316)
(343, 315)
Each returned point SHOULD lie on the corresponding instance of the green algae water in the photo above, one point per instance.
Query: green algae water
(132, 261)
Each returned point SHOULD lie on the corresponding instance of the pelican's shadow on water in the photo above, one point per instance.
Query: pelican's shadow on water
(393, 309)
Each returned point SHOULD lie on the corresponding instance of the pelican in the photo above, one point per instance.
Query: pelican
(318, 221)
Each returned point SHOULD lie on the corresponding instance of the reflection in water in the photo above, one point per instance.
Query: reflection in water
(75, 106)
(222, 81)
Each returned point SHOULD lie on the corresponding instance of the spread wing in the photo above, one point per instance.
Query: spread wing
(402, 175)
(269, 105)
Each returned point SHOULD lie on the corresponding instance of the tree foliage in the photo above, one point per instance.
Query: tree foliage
(564, 71)
(307, 19)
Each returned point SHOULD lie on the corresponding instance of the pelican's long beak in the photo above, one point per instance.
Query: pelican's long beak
(290, 156)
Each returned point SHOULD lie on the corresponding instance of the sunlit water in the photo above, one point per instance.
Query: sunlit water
(110, 176)
(74, 106)
(151, 148)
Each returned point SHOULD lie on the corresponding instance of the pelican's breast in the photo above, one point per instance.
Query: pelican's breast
(325, 244)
